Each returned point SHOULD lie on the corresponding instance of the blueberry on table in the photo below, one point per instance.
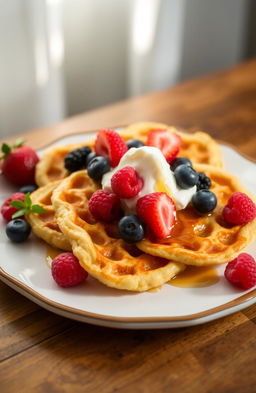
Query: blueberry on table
(97, 167)
(18, 230)
(131, 229)
(29, 188)
(204, 201)
(134, 143)
(76, 159)
(90, 157)
(180, 161)
(185, 176)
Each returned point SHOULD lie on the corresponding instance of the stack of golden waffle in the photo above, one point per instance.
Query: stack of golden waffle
(196, 239)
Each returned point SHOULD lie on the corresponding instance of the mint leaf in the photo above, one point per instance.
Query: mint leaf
(5, 149)
(37, 209)
(27, 200)
(19, 213)
(17, 204)
(19, 142)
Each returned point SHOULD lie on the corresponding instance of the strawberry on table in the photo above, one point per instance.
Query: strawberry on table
(19, 163)
(110, 145)
(158, 211)
(168, 142)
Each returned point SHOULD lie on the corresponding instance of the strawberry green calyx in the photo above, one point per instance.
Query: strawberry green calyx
(26, 207)
(6, 149)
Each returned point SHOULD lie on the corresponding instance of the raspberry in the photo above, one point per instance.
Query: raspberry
(66, 270)
(242, 271)
(19, 166)
(126, 182)
(8, 210)
(109, 144)
(158, 211)
(239, 210)
(168, 142)
(105, 206)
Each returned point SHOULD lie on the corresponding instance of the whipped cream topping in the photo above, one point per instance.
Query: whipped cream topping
(157, 176)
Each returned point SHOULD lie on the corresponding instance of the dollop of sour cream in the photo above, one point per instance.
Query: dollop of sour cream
(152, 167)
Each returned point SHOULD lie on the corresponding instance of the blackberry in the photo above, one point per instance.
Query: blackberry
(204, 182)
(76, 159)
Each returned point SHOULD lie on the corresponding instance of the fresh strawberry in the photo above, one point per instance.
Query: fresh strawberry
(126, 182)
(109, 144)
(7, 210)
(158, 211)
(19, 163)
(168, 142)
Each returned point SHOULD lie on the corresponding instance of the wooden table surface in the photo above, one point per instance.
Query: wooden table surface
(42, 352)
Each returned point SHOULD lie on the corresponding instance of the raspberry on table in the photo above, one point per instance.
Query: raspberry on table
(240, 209)
(7, 210)
(105, 206)
(126, 183)
(66, 270)
(242, 271)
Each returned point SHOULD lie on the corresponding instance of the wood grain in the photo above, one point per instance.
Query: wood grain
(42, 352)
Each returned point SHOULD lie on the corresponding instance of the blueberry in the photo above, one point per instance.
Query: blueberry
(90, 157)
(204, 201)
(29, 188)
(134, 143)
(180, 161)
(97, 167)
(131, 229)
(186, 176)
(18, 230)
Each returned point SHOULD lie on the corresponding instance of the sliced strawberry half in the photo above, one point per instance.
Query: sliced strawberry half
(168, 142)
(158, 211)
(109, 144)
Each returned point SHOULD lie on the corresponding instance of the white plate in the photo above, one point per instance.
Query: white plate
(23, 268)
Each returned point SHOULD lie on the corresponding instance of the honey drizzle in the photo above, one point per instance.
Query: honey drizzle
(196, 277)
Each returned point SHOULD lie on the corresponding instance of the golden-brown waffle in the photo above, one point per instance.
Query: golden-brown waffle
(205, 239)
(97, 246)
(198, 147)
(45, 225)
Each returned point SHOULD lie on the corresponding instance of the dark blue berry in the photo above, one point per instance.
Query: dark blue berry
(18, 230)
(131, 229)
(204, 201)
(204, 182)
(186, 176)
(29, 188)
(134, 143)
(76, 159)
(90, 157)
(97, 167)
(180, 161)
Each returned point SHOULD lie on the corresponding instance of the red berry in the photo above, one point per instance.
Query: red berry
(158, 211)
(109, 144)
(126, 182)
(66, 270)
(19, 166)
(242, 271)
(8, 210)
(168, 142)
(105, 206)
(239, 210)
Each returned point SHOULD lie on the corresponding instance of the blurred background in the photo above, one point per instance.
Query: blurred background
(63, 57)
